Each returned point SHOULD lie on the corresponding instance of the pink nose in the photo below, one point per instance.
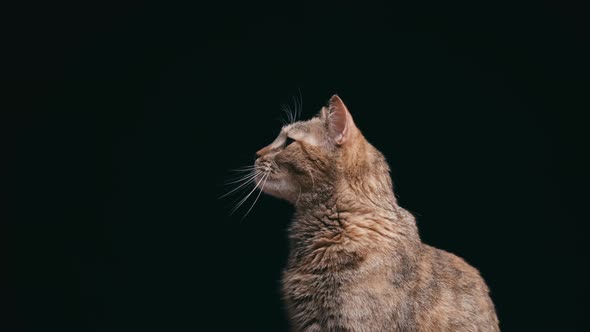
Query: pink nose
(262, 151)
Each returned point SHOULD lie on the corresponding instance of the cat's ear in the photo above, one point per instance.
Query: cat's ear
(339, 120)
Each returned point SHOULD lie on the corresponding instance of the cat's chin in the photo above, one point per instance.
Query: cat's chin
(279, 189)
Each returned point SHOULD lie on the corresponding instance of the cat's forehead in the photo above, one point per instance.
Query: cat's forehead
(300, 127)
(303, 127)
(310, 131)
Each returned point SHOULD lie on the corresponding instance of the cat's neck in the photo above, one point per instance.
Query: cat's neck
(346, 206)
(348, 197)
(342, 231)
(357, 212)
(348, 209)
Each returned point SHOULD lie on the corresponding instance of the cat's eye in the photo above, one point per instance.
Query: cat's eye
(288, 141)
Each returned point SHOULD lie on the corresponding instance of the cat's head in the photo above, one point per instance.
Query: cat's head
(310, 157)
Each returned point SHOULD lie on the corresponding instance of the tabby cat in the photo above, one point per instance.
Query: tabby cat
(356, 262)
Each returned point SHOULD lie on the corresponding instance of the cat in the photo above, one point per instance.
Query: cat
(356, 262)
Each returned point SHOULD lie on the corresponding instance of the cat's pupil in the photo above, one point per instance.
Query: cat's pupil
(289, 141)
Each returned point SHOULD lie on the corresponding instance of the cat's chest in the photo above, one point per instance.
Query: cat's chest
(323, 290)
(335, 299)
(302, 281)
(316, 294)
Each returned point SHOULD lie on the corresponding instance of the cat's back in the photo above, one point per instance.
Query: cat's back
(451, 295)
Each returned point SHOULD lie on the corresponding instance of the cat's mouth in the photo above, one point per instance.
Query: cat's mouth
(272, 181)
(264, 170)
(268, 178)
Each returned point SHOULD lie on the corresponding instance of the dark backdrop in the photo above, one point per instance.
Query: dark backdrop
(128, 117)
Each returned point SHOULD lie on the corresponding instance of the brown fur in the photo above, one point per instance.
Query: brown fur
(356, 261)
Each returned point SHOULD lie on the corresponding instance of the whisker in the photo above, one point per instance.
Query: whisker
(240, 179)
(237, 188)
(248, 181)
(293, 112)
(258, 196)
(296, 108)
(288, 113)
(247, 196)
(244, 168)
(284, 114)
(274, 164)
(283, 121)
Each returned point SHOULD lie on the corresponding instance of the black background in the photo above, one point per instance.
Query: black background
(127, 117)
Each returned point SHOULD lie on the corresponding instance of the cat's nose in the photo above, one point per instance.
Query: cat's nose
(262, 151)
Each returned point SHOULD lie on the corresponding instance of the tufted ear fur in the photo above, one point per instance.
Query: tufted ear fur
(324, 114)
(339, 121)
